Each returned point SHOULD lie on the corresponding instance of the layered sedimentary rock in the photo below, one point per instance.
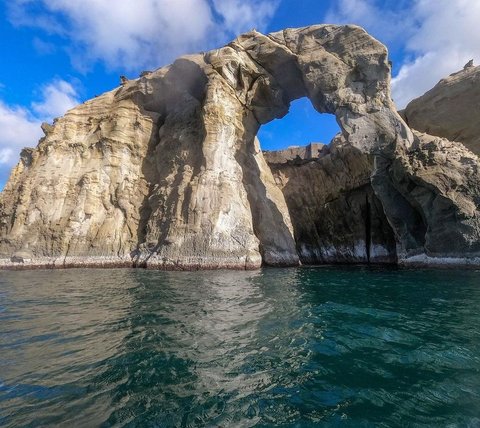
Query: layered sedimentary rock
(451, 109)
(166, 170)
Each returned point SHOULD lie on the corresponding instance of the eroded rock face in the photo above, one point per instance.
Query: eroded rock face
(440, 180)
(293, 153)
(335, 214)
(166, 171)
(82, 190)
(451, 109)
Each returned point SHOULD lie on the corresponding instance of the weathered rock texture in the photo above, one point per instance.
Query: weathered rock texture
(335, 214)
(440, 181)
(451, 109)
(311, 151)
(166, 170)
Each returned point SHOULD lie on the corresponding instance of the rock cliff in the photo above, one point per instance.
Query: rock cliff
(166, 170)
(451, 109)
(335, 214)
(311, 151)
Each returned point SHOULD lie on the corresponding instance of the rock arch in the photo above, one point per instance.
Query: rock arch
(342, 70)
(166, 170)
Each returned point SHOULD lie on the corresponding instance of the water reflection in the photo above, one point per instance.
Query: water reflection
(207, 345)
(278, 346)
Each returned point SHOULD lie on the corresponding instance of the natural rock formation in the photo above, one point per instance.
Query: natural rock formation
(166, 171)
(451, 109)
(335, 214)
(311, 151)
(440, 180)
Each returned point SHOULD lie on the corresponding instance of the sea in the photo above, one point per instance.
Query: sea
(333, 346)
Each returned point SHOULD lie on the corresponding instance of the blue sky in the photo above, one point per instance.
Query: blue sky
(57, 53)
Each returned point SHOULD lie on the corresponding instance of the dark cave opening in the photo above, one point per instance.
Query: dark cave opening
(335, 215)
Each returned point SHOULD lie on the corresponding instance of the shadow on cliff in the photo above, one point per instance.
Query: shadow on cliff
(182, 91)
(336, 221)
(277, 245)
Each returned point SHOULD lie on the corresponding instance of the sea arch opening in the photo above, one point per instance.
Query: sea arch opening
(338, 219)
(303, 131)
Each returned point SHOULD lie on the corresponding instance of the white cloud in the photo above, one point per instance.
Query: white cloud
(21, 127)
(19, 130)
(57, 97)
(445, 40)
(241, 15)
(386, 20)
(440, 36)
(142, 33)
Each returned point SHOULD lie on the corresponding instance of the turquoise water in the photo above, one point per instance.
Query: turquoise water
(353, 347)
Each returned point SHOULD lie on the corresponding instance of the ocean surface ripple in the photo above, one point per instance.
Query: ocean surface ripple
(329, 346)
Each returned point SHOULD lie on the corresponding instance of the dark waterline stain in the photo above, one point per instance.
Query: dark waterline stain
(331, 346)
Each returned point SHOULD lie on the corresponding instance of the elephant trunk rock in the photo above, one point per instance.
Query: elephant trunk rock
(166, 170)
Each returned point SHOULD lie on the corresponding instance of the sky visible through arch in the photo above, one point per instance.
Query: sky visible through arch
(301, 126)
(58, 53)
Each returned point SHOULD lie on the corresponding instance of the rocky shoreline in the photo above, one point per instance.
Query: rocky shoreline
(117, 262)
(421, 261)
